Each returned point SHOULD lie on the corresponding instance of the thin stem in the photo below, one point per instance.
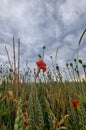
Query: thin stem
(8, 57)
(14, 60)
(18, 61)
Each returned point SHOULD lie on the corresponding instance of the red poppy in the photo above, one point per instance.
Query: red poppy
(41, 65)
(75, 103)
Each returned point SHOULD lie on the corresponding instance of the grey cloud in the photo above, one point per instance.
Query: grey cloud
(43, 22)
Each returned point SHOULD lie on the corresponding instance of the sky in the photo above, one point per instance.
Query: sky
(51, 23)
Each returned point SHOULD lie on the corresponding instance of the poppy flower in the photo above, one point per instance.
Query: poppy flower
(41, 65)
(75, 103)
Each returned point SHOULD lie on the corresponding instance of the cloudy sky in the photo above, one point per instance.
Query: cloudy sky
(53, 23)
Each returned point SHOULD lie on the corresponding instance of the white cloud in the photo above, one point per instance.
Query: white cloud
(72, 12)
(3, 58)
(47, 22)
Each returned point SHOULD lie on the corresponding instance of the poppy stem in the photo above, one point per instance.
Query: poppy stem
(43, 55)
(43, 52)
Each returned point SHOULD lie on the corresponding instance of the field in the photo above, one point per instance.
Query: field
(47, 103)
